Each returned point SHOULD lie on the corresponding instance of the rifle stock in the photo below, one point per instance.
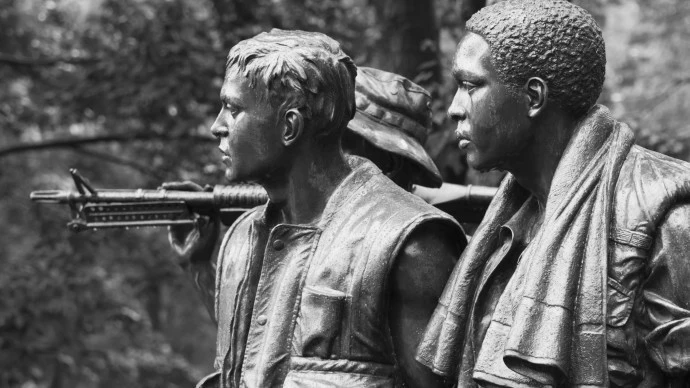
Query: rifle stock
(95, 209)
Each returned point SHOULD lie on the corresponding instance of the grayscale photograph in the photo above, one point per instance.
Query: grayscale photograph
(345, 193)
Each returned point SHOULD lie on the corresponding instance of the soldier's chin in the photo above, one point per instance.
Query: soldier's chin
(477, 163)
(230, 175)
(473, 160)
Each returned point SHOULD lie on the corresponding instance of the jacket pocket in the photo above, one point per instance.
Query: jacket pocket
(317, 331)
(620, 304)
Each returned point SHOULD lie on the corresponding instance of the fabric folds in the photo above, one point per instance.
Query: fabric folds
(549, 326)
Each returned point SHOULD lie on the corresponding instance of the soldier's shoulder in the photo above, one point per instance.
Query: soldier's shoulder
(650, 173)
(242, 224)
(649, 184)
(387, 193)
(655, 166)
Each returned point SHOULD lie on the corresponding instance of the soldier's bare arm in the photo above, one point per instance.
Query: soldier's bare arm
(417, 280)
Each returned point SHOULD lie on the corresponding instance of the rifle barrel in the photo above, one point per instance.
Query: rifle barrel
(234, 196)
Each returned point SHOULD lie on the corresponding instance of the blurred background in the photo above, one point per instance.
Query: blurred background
(125, 90)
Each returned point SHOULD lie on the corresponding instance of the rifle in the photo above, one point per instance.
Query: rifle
(96, 209)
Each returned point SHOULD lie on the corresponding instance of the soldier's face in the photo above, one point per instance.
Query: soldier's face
(248, 130)
(493, 126)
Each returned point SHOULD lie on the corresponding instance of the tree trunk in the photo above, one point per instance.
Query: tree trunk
(237, 20)
(408, 44)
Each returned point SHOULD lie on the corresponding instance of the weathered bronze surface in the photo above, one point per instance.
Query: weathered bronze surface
(328, 283)
(384, 125)
(577, 275)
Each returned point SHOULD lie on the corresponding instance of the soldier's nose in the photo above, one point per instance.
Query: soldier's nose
(457, 114)
(219, 131)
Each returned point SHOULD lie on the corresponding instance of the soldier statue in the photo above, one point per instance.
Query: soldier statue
(331, 283)
(374, 133)
(578, 274)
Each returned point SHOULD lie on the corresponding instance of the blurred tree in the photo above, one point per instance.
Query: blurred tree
(408, 40)
(649, 71)
(92, 310)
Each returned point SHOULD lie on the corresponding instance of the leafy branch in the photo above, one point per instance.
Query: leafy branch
(26, 61)
(77, 141)
(106, 157)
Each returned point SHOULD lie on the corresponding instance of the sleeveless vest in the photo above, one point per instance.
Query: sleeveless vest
(319, 317)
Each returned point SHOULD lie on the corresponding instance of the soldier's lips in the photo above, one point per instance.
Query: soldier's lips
(226, 160)
(463, 141)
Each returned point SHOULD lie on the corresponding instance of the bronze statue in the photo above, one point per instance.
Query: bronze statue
(578, 274)
(395, 148)
(327, 284)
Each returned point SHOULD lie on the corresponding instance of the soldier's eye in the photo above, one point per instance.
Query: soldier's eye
(466, 85)
(233, 110)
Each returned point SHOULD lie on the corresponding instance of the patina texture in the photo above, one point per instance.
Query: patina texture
(333, 281)
(303, 304)
(567, 47)
(576, 275)
(394, 115)
(524, 301)
(391, 122)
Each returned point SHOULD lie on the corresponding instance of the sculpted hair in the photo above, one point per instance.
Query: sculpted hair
(551, 39)
(304, 70)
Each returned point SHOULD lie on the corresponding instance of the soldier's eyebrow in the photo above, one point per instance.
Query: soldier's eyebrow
(229, 98)
(464, 75)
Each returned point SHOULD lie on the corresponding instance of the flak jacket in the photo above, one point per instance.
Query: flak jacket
(307, 306)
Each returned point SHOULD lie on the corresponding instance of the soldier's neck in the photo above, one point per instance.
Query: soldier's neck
(312, 177)
(534, 169)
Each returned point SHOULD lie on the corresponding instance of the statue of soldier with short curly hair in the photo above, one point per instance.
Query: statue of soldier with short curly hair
(578, 274)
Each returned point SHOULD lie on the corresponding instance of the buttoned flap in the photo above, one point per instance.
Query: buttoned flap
(316, 373)
(620, 303)
(317, 331)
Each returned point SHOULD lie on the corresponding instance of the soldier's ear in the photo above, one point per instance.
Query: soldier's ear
(294, 126)
(537, 94)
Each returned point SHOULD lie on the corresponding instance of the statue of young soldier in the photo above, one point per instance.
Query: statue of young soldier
(578, 274)
(330, 283)
(391, 122)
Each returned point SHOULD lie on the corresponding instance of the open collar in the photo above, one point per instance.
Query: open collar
(362, 171)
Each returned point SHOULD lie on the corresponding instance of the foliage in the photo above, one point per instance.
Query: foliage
(650, 81)
(94, 309)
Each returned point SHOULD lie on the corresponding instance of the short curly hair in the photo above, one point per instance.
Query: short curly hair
(552, 39)
(299, 69)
